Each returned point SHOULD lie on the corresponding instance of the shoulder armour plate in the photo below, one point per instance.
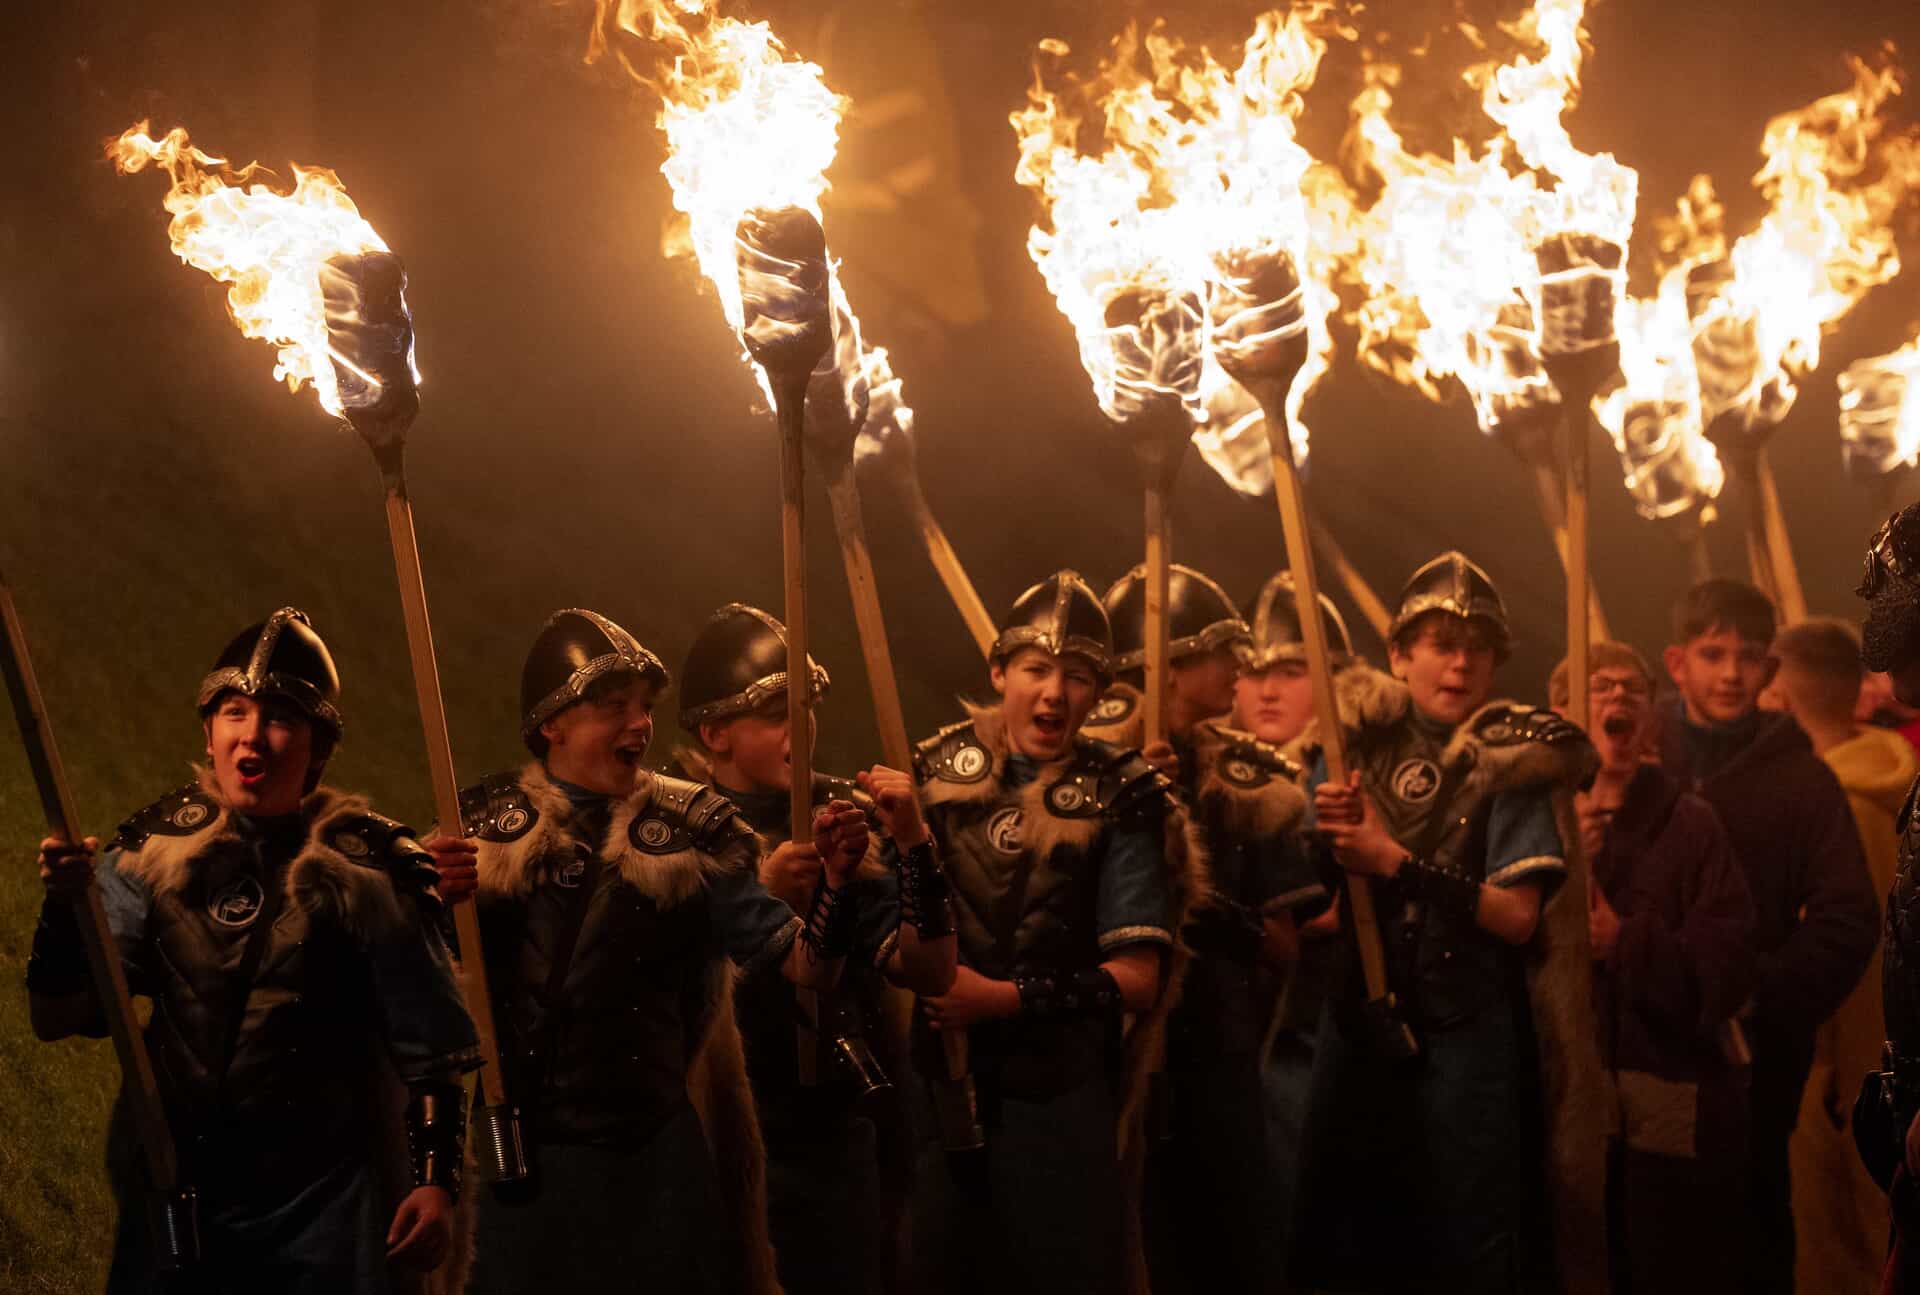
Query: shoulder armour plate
(498, 808)
(1510, 725)
(1248, 763)
(683, 814)
(1115, 707)
(1105, 780)
(954, 754)
(178, 813)
(376, 841)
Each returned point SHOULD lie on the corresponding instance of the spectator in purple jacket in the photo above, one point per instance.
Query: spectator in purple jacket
(1816, 917)
(1672, 928)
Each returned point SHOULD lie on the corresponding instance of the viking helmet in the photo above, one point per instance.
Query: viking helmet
(1277, 635)
(1200, 617)
(575, 648)
(1060, 615)
(1452, 583)
(279, 657)
(738, 663)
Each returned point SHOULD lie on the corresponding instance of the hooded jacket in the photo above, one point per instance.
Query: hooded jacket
(1816, 921)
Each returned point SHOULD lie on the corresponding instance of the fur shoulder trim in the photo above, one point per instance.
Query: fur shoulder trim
(1119, 717)
(527, 825)
(342, 869)
(1369, 698)
(671, 837)
(963, 762)
(1253, 785)
(159, 844)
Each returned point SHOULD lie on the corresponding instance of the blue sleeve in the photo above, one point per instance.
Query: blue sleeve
(127, 901)
(753, 928)
(1133, 906)
(429, 1035)
(1523, 841)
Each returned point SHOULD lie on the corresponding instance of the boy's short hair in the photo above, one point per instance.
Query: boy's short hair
(1602, 654)
(1824, 655)
(1723, 604)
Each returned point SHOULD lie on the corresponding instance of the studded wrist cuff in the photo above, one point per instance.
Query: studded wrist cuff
(1448, 890)
(436, 1136)
(1084, 993)
(828, 931)
(926, 896)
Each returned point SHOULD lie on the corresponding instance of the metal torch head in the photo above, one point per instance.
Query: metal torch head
(1155, 336)
(1258, 311)
(1582, 278)
(1514, 400)
(782, 257)
(838, 395)
(1873, 403)
(370, 341)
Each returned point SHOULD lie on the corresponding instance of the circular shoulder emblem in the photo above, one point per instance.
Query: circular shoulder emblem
(1066, 798)
(1496, 732)
(351, 844)
(1241, 772)
(191, 815)
(513, 820)
(1415, 781)
(570, 873)
(652, 834)
(236, 904)
(1003, 831)
(968, 764)
(1113, 708)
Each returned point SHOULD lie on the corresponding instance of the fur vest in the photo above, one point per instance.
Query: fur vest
(645, 939)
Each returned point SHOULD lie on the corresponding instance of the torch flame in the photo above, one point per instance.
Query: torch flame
(748, 126)
(1653, 413)
(1198, 171)
(1880, 412)
(269, 245)
(1835, 178)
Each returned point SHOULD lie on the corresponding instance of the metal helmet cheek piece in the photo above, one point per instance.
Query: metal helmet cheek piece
(1274, 616)
(1060, 615)
(279, 657)
(737, 664)
(574, 649)
(1200, 617)
(1453, 583)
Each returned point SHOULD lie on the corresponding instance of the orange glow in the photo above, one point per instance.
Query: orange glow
(267, 244)
(1152, 172)
(1880, 411)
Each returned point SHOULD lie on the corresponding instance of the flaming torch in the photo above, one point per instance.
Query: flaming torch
(1880, 420)
(1834, 177)
(887, 445)
(311, 276)
(174, 1207)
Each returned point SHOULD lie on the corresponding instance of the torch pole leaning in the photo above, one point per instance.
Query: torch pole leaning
(843, 491)
(499, 1151)
(946, 564)
(1555, 509)
(1372, 609)
(1779, 546)
(176, 1230)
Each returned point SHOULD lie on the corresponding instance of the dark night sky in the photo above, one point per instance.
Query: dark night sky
(589, 436)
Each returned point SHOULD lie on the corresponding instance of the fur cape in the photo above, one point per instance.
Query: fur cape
(716, 1072)
(362, 899)
(1184, 857)
(1574, 1083)
(322, 880)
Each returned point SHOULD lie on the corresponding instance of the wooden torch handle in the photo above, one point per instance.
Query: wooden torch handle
(1306, 589)
(1579, 583)
(790, 402)
(1158, 575)
(1779, 545)
(1550, 491)
(1372, 608)
(103, 952)
(844, 493)
(946, 564)
(446, 786)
